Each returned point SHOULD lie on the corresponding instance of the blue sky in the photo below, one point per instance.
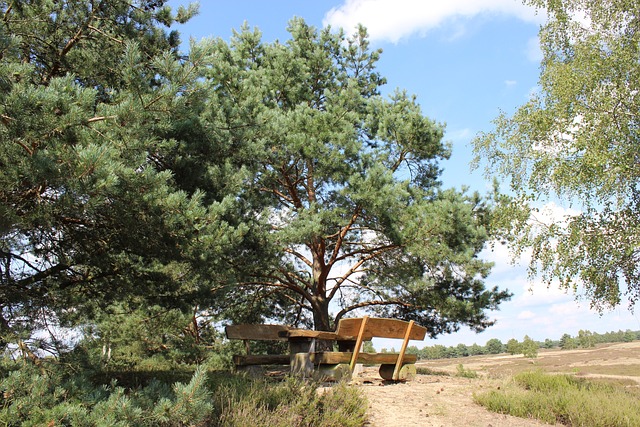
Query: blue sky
(465, 60)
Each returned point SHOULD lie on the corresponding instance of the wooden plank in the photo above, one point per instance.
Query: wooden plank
(382, 328)
(303, 333)
(261, 359)
(405, 373)
(337, 372)
(356, 349)
(407, 334)
(335, 357)
(256, 332)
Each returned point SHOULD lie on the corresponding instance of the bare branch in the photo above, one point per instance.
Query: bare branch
(298, 255)
(42, 275)
(97, 30)
(341, 235)
(354, 269)
(363, 304)
(100, 118)
(286, 199)
(366, 251)
(282, 285)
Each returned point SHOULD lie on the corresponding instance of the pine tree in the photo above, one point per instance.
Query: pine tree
(347, 183)
(92, 97)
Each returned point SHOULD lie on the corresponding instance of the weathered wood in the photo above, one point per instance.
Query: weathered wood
(348, 330)
(405, 373)
(333, 365)
(301, 365)
(356, 349)
(335, 357)
(337, 372)
(257, 332)
(403, 349)
(261, 359)
(320, 335)
(381, 328)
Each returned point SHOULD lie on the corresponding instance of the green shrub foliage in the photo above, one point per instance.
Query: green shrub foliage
(55, 394)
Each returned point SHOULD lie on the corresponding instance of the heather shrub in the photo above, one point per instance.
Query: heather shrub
(52, 393)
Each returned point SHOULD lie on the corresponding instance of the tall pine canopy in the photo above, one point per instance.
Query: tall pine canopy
(246, 180)
(352, 209)
(91, 96)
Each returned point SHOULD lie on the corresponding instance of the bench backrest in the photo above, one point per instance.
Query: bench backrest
(381, 328)
(256, 332)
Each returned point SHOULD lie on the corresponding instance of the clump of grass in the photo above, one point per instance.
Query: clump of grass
(564, 399)
(465, 373)
(295, 403)
(423, 370)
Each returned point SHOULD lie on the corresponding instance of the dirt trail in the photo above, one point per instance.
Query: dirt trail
(432, 401)
(447, 400)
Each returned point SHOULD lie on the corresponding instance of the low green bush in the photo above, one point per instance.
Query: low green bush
(463, 372)
(423, 370)
(564, 399)
(56, 394)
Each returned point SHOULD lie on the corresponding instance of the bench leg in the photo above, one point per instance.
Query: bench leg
(254, 371)
(301, 365)
(407, 372)
(338, 372)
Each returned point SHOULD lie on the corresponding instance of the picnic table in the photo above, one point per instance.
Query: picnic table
(303, 359)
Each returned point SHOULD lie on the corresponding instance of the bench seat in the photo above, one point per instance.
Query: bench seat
(349, 336)
(335, 357)
(261, 359)
(247, 333)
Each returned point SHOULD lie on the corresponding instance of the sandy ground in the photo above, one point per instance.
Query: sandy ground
(447, 401)
(432, 401)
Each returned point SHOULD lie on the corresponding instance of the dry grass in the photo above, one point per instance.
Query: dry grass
(609, 360)
(564, 399)
(604, 379)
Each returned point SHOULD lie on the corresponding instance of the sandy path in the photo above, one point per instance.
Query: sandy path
(432, 401)
(447, 401)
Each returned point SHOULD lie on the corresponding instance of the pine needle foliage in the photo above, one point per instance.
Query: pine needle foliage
(55, 394)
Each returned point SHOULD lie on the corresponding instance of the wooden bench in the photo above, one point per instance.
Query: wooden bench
(350, 335)
(248, 333)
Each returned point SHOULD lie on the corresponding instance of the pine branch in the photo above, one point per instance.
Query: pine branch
(341, 236)
(100, 118)
(363, 304)
(299, 256)
(355, 268)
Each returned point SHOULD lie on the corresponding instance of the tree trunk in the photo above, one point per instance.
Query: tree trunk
(321, 322)
(320, 272)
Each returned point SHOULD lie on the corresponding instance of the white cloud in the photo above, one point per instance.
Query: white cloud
(393, 20)
(534, 52)
(527, 314)
(461, 134)
(567, 310)
(537, 295)
(510, 83)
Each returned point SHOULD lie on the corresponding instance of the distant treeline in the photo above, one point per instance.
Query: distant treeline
(584, 339)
